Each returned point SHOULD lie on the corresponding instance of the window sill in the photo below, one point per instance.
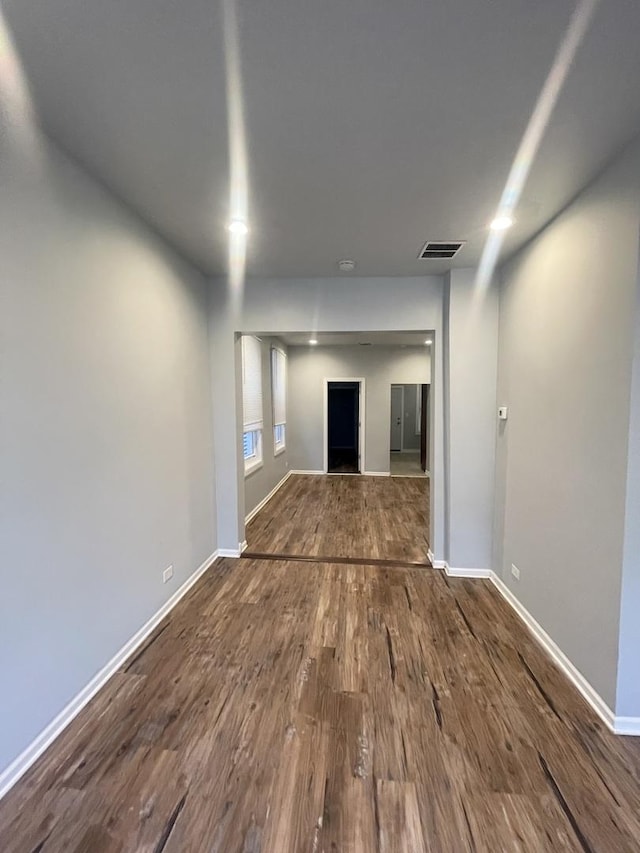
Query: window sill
(252, 467)
(279, 450)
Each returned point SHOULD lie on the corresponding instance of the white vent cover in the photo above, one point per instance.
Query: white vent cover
(440, 249)
(346, 265)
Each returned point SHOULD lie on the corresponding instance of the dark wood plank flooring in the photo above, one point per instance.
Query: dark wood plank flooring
(382, 518)
(316, 707)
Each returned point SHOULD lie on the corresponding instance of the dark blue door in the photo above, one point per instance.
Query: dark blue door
(343, 416)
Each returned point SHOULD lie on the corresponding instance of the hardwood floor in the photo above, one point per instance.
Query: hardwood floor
(382, 518)
(313, 707)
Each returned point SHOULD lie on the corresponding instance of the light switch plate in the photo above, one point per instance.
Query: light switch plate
(503, 413)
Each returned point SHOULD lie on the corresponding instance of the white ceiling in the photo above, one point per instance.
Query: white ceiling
(331, 339)
(371, 126)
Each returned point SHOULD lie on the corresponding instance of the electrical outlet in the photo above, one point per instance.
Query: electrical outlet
(167, 574)
(515, 571)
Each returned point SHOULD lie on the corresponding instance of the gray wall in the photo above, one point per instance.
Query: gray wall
(566, 344)
(105, 430)
(472, 358)
(260, 482)
(379, 366)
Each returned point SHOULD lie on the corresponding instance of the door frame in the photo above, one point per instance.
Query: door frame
(401, 387)
(361, 422)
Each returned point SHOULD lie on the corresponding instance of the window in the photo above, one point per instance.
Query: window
(279, 397)
(252, 423)
(252, 447)
(278, 438)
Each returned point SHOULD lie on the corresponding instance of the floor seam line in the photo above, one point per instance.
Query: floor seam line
(349, 561)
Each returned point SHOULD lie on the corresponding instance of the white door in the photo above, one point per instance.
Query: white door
(397, 403)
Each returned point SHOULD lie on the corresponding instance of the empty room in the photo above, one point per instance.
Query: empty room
(319, 426)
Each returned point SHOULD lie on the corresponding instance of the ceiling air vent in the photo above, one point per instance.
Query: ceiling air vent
(435, 249)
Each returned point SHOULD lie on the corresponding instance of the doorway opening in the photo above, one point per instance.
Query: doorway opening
(343, 426)
(408, 430)
(289, 507)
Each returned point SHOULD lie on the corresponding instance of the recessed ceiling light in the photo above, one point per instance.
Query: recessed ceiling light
(501, 223)
(313, 342)
(346, 265)
(237, 226)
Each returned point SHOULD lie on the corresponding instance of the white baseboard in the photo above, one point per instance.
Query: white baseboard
(266, 500)
(627, 726)
(230, 552)
(377, 474)
(23, 762)
(307, 472)
(437, 564)
(452, 572)
(467, 573)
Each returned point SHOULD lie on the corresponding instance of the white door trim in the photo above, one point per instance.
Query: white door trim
(361, 419)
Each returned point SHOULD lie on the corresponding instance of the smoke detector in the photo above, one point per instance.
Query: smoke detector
(346, 265)
(440, 249)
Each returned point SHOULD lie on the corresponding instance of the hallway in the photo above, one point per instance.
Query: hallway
(285, 707)
(373, 518)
